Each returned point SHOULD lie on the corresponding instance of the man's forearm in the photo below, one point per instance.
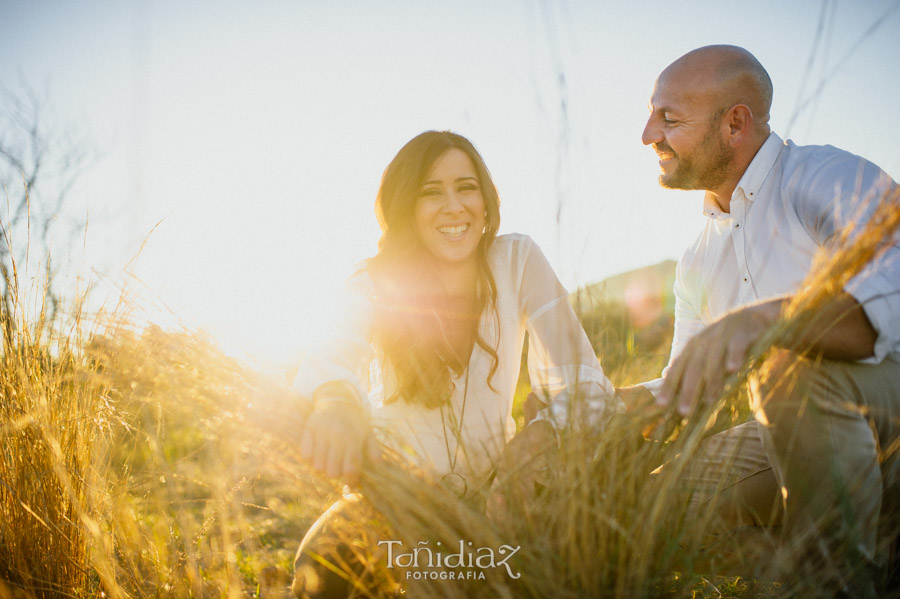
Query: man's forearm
(839, 330)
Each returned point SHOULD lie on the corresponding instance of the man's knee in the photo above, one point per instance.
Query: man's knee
(789, 387)
(729, 478)
(820, 441)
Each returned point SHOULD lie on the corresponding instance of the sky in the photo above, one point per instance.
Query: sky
(238, 146)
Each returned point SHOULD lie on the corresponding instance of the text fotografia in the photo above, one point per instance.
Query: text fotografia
(463, 563)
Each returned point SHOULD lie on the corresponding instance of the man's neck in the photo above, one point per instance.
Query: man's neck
(722, 197)
(723, 192)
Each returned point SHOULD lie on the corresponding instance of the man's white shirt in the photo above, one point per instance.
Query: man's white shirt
(791, 201)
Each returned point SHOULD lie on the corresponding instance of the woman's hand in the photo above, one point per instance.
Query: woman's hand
(524, 467)
(337, 437)
(641, 407)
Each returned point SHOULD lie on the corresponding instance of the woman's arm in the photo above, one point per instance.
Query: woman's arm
(562, 366)
(337, 435)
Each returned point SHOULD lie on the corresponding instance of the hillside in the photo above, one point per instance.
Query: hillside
(636, 287)
(629, 318)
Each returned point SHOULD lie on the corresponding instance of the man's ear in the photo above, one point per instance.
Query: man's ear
(739, 121)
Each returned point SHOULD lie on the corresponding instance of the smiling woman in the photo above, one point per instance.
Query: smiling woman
(427, 357)
(433, 271)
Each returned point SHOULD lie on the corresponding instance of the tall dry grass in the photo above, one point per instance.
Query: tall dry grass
(51, 415)
(146, 463)
(128, 470)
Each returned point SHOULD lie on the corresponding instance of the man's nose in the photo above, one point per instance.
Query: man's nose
(651, 134)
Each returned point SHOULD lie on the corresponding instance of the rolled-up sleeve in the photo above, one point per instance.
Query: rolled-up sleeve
(877, 289)
(848, 192)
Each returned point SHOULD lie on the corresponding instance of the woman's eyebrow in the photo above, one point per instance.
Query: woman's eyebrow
(438, 181)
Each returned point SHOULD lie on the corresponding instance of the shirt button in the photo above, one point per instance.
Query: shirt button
(746, 279)
(737, 225)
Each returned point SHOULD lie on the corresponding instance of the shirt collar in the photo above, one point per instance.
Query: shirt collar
(711, 208)
(752, 179)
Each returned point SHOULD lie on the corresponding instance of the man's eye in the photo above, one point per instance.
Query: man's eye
(669, 120)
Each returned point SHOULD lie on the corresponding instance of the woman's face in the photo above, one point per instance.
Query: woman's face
(450, 208)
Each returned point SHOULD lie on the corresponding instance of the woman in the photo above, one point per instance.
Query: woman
(429, 351)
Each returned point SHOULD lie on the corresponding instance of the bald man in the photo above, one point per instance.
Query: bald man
(815, 459)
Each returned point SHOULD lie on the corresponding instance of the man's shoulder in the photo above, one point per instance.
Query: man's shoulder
(822, 172)
(817, 158)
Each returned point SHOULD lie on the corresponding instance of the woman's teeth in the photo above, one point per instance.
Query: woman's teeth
(454, 231)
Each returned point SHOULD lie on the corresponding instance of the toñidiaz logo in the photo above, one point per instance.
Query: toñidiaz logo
(463, 562)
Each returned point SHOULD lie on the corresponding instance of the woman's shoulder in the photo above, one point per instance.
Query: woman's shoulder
(511, 243)
(515, 249)
(513, 238)
(360, 282)
(512, 254)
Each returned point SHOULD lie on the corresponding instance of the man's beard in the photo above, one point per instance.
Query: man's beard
(690, 175)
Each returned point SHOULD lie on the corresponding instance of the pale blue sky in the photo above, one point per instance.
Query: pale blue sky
(257, 131)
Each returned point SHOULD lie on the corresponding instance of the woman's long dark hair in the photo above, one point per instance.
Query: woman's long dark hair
(411, 326)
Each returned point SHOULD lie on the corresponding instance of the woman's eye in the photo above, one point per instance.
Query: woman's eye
(430, 192)
(468, 187)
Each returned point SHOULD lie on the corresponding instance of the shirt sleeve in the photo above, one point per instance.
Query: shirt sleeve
(562, 366)
(846, 190)
(344, 357)
(688, 321)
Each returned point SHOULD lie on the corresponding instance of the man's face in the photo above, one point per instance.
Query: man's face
(684, 129)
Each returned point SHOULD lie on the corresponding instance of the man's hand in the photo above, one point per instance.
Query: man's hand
(336, 437)
(700, 371)
(837, 330)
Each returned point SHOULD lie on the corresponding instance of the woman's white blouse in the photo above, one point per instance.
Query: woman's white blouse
(560, 359)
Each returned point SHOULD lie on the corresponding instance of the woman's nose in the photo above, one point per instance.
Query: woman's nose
(453, 203)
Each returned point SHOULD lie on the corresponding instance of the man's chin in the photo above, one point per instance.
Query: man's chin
(670, 182)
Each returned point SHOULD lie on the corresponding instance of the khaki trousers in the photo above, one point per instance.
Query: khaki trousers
(818, 468)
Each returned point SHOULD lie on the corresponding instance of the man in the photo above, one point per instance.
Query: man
(827, 409)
